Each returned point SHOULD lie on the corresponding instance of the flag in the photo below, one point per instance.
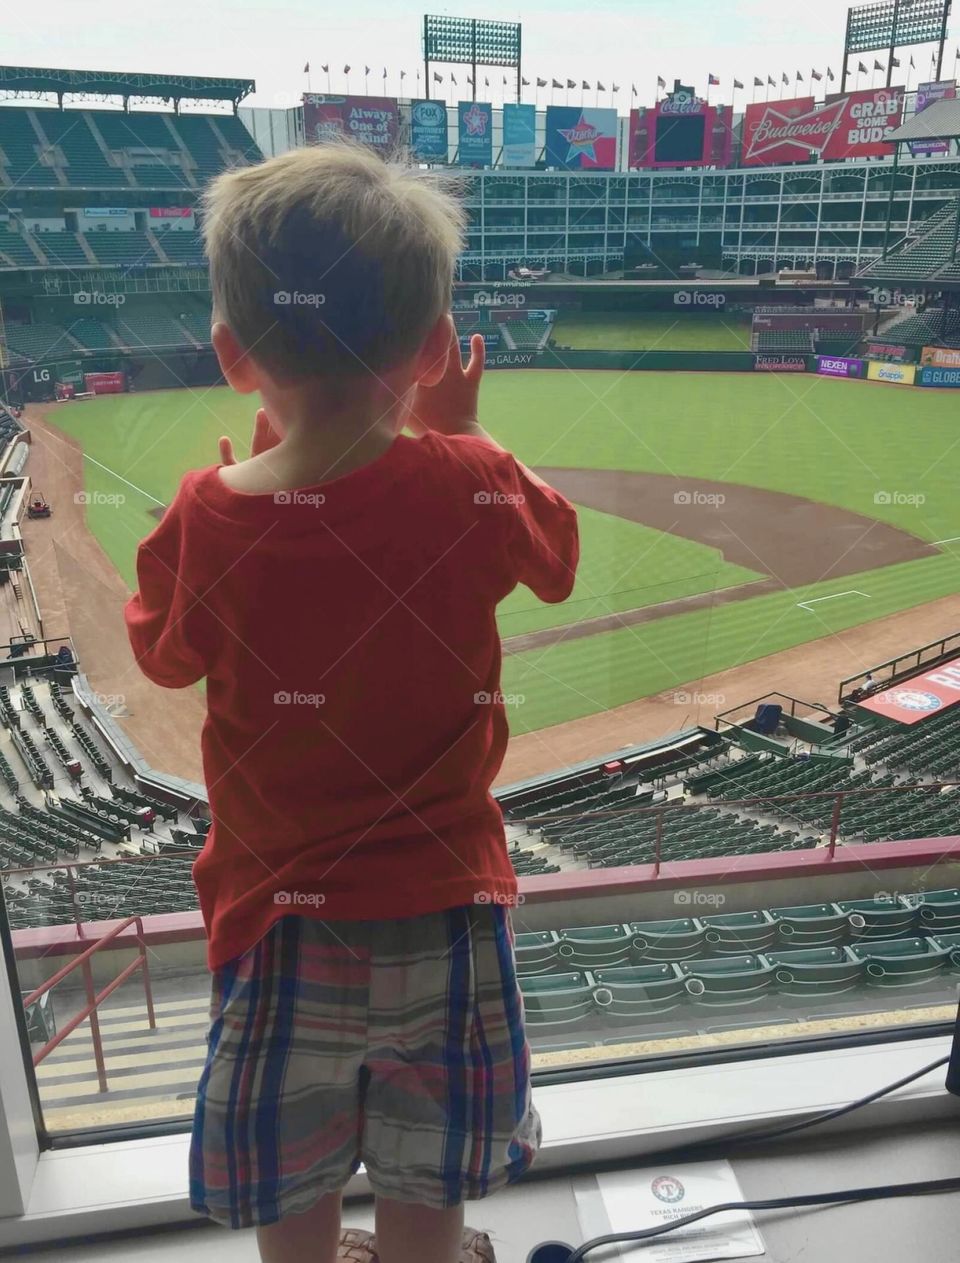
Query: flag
(661, 83)
(504, 80)
(585, 86)
(815, 74)
(633, 86)
(384, 72)
(486, 82)
(325, 69)
(799, 77)
(306, 69)
(615, 88)
(453, 79)
(541, 83)
(366, 70)
(757, 83)
(861, 69)
(785, 79)
(403, 75)
(571, 84)
(713, 81)
(437, 78)
(557, 83)
(895, 62)
(877, 65)
(346, 70)
(524, 83)
(771, 81)
(600, 87)
(912, 66)
(469, 79)
(737, 84)
(830, 75)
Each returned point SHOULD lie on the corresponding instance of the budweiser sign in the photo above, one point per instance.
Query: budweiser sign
(851, 126)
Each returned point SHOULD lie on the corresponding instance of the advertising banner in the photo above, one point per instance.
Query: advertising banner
(888, 351)
(915, 699)
(106, 212)
(372, 120)
(171, 212)
(939, 377)
(476, 133)
(839, 366)
(519, 135)
(940, 357)
(780, 364)
(105, 383)
(580, 139)
(927, 93)
(514, 359)
(854, 125)
(895, 374)
(428, 130)
(682, 130)
(826, 322)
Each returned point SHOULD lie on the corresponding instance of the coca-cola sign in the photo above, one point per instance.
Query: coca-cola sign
(851, 126)
(683, 101)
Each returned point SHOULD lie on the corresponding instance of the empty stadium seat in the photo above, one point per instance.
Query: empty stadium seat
(812, 972)
(635, 993)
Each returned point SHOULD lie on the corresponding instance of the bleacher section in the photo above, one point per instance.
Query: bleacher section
(182, 247)
(37, 341)
(791, 341)
(93, 334)
(925, 258)
(132, 249)
(16, 248)
(61, 248)
(792, 963)
(140, 330)
(84, 164)
(927, 328)
(21, 145)
(140, 149)
(522, 336)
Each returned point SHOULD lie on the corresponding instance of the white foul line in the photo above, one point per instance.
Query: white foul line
(126, 481)
(805, 605)
(952, 540)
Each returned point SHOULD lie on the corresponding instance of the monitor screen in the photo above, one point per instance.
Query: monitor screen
(680, 139)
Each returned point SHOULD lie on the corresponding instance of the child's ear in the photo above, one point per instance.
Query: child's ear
(436, 351)
(238, 368)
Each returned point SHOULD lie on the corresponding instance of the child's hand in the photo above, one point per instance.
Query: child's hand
(264, 437)
(450, 407)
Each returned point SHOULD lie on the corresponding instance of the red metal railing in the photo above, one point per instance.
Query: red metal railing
(94, 1000)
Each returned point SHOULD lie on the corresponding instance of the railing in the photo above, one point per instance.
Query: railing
(94, 1000)
(759, 802)
(914, 660)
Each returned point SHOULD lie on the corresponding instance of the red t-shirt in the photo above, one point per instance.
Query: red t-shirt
(348, 638)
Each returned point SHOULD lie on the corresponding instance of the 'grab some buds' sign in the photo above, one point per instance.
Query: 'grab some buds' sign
(852, 126)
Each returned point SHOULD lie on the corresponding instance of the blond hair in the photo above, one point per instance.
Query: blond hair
(329, 261)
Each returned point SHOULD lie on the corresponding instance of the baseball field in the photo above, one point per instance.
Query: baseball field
(724, 517)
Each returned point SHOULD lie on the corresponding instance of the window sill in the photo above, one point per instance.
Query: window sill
(136, 1184)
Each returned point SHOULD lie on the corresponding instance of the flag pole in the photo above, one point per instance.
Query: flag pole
(329, 91)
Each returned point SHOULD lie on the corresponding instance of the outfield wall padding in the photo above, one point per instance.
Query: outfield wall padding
(646, 361)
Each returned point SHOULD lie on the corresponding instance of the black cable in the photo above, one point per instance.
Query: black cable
(871, 1194)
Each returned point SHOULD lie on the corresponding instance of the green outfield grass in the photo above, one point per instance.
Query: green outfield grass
(653, 330)
(887, 452)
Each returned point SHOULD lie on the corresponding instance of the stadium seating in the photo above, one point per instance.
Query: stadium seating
(182, 247)
(22, 146)
(130, 248)
(197, 325)
(148, 145)
(791, 341)
(140, 329)
(925, 329)
(84, 162)
(523, 335)
(15, 246)
(61, 248)
(93, 334)
(39, 341)
(923, 258)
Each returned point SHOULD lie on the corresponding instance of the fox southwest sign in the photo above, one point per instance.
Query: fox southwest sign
(855, 125)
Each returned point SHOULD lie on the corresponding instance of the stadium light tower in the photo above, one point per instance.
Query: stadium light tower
(471, 42)
(894, 24)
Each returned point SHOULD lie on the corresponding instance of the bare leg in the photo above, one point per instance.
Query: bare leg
(314, 1235)
(408, 1233)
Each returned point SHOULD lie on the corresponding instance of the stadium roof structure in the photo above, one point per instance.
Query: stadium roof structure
(16, 81)
(939, 121)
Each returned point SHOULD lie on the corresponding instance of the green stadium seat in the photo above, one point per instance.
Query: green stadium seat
(633, 993)
(810, 925)
(876, 919)
(739, 933)
(554, 1002)
(591, 947)
(895, 963)
(671, 940)
(536, 953)
(939, 911)
(812, 972)
(728, 982)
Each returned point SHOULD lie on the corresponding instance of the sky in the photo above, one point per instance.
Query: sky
(626, 41)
